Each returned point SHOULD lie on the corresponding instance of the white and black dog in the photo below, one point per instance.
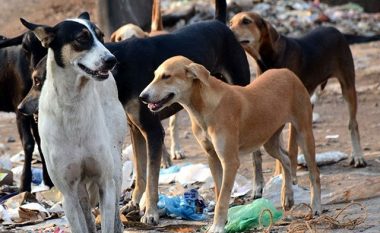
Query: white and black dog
(81, 122)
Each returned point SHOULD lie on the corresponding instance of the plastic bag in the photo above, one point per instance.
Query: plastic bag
(189, 206)
(245, 217)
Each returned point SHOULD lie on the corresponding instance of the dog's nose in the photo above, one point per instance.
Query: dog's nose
(144, 97)
(110, 62)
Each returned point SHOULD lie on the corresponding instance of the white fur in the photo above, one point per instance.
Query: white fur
(82, 129)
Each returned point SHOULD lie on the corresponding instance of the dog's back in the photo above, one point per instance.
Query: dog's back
(251, 103)
(210, 43)
(320, 45)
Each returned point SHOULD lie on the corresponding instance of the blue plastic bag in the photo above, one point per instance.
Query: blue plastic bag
(189, 206)
(36, 176)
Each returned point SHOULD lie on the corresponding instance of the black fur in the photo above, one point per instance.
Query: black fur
(16, 62)
(356, 39)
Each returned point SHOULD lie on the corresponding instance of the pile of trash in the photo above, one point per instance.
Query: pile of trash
(186, 194)
(296, 17)
(289, 17)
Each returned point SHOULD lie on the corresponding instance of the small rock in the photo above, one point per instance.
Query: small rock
(11, 139)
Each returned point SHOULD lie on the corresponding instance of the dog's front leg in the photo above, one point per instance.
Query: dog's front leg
(46, 177)
(154, 144)
(228, 154)
(175, 148)
(258, 179)
(23, 126)
(139, 164)
(213, 159)
(73, 209)
(107, 205)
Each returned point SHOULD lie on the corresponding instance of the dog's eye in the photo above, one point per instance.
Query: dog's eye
(165, 76)
(246, 21)
(37, 82)
(99, 35)
(83, 37)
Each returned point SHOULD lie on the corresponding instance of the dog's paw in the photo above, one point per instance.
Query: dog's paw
(150, 218)
(178, 154)
(129, 208)
(287, 202)
(166, 162)
(357, 161)
(215, 229)
(257, 192)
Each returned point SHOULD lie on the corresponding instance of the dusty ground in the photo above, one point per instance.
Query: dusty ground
(331, 107)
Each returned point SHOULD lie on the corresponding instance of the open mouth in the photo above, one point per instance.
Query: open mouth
(158, 105)
(98, 74)
(244, 42)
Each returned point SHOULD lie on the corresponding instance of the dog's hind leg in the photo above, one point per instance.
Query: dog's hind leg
(258, 179)
(349, 94)
(305, 139)
(275, 149)
(293, 152)
(27, 140)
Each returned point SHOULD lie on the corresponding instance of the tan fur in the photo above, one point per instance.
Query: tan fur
(127, 31)
(230, 120)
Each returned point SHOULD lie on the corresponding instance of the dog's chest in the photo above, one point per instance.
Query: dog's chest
(76, 127)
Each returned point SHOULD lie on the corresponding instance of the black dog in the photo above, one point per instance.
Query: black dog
(18, 56)
(209, 43)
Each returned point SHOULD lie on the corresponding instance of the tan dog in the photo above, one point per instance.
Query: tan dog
(319, 55)
(129, 30)
(231, 120)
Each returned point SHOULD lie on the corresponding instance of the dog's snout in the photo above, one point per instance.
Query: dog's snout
(144, 97)
(110, 62)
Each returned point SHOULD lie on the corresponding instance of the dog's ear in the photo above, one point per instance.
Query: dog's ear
(84, 15)
(197, 71)
(272, 33)
(44, 33)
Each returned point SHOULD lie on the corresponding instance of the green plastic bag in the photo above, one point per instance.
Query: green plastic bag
(244, 217)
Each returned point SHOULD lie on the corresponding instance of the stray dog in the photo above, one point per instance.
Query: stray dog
(82, 124)
(157, 28)
(231, 120)
(131, 30)
(29, 105)
(210, 43)
(307, 58)
(17, 58)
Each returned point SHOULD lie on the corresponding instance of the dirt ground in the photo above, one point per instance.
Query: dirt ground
(331, 107)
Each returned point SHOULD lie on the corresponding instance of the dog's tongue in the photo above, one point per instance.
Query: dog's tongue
(153, 106)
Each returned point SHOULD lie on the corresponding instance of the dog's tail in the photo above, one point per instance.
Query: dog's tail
(12, 41)
(221, 10)
(356, 39)
(156, 17)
